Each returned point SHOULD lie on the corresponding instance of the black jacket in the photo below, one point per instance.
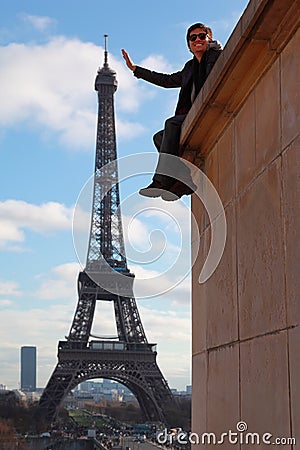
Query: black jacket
(182, 79)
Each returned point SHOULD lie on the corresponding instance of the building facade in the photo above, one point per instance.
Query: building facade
(245, 124)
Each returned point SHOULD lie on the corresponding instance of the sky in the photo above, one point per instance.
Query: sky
(50, 52)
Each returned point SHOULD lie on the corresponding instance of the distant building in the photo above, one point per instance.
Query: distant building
(28, 369)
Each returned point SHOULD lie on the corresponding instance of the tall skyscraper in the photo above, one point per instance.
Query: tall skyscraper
(28, 369)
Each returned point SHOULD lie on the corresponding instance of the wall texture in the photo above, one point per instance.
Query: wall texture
(246, 334)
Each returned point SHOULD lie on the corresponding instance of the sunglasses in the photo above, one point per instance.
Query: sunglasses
(201, 36)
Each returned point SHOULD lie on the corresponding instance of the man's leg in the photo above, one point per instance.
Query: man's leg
(168, 170)
(157, 139)
(167, 143)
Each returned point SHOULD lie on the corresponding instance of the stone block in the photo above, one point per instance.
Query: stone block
(199, 401)
(199, 221)
(225, 148)
(261, 278)
(245, 145)
(223, 389)
(291, 215)
(265, 386)
(211, 168)
(290, 89)
(199, 301)
(221, 292)
(267, 118)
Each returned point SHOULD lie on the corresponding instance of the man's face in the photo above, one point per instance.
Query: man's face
(198, 44)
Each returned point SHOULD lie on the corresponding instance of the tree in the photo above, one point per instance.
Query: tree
(8, 437)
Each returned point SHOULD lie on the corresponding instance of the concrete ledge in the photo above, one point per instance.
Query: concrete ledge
(260, 35)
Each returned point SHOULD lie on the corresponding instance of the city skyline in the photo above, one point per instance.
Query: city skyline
(28, 365)
(47, 142)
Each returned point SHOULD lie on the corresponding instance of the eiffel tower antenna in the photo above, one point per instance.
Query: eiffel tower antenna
(105, 50)
(129, 358)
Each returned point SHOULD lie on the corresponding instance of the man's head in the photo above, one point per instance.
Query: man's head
(198, 36)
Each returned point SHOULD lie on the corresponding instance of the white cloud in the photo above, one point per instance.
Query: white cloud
(40, 23)
(40, 327)
(157, 63)
(171, 330)
(61, 284)
(136, 233)
(174, 215)
(51, 86)
(128, 130)
(155, 284)
(6, 302)
(157, 241)
(176, 367)
(141, 216)
(17, 215)
(9, 232)
(167, 324)
(9, 288)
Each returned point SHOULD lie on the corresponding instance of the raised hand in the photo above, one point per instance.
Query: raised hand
(129, 63)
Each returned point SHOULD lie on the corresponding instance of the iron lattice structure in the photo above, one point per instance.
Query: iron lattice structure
(128, 359)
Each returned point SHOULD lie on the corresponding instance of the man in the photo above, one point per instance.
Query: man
(190, 80)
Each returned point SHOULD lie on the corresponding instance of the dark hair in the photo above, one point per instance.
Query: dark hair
(198, 25)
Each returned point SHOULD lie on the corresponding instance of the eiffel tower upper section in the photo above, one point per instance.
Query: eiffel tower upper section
(106, 244)
(106, 275)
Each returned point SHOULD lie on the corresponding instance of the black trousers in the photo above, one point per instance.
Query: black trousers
(168, 170)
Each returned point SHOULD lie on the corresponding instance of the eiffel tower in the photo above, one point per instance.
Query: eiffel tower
(129, 358)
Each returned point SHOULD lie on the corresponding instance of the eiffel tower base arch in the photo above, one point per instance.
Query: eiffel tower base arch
(134, 368)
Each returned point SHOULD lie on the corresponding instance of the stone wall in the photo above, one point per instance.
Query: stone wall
(245, 318)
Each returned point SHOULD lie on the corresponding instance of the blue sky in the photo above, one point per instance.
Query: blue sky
(50, 53)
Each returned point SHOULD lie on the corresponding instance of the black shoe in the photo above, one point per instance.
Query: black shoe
(178, 190)
(170, 196)
(154, 189)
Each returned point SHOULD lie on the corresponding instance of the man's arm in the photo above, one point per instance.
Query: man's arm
(172, 80)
